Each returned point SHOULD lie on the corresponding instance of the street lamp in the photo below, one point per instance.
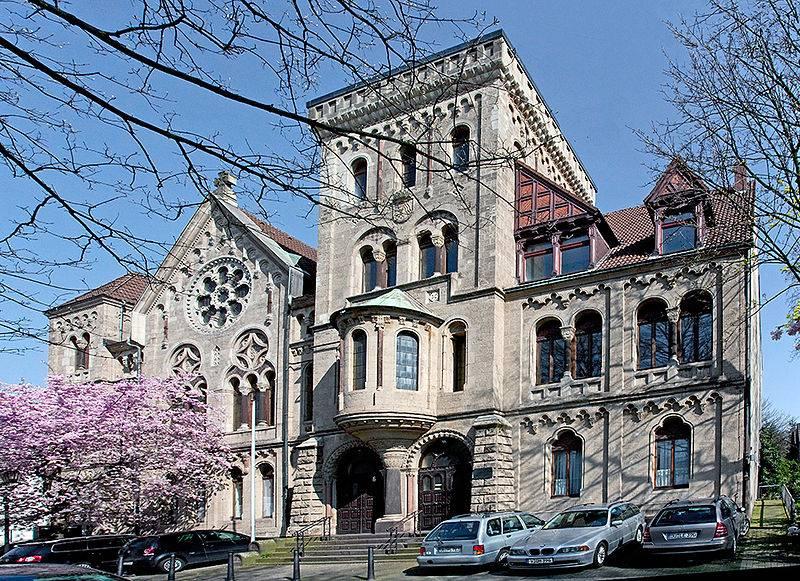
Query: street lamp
(7, 478)
(253, 396)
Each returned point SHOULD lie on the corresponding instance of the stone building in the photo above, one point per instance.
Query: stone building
(472, 332)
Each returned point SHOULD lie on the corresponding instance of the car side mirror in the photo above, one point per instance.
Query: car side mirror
(616, 523)
(742, 509)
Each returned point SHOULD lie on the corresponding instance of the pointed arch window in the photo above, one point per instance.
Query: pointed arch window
(460, 138)
(408, 159)
(427, 256)
(359, 359)
(567, 460)
(551, 352)
(241, 405)
(696, 327)
(267, 491)
(407, 361)
(369, 279)
(655, 334)
(673, 453)
(588, 345)
(81, 351)
(359, 170)
(458, 349)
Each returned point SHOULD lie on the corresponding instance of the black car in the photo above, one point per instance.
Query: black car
(98, 551)
(190, 547)
(54, 572)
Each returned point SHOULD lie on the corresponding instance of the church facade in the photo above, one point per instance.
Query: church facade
(471, 333)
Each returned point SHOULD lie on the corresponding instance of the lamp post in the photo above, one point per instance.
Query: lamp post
(253, 466)
(7, 478)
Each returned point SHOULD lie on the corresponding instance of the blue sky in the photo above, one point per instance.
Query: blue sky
(600, 66)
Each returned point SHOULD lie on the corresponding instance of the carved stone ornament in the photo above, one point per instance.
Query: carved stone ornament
(402, 204)
(185, 360)
(218, 294)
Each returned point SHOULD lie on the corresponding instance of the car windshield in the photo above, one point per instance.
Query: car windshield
(578, 518)
(454, 531)
(24, 551)
(686, 515)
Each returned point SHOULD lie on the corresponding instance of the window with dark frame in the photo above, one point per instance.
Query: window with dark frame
(408, 159)
(588, 345)
(359, 169)
(551, 353)
(458, 346)
(696, 327)
(427, 256)
(461, 148)
(390, 248)
(567, 460)
(655, 335)
(407, 361)
(308, 392)
(267, 491)
(673, 454)
(237, 482)
(538, 261)
(369, 279)
(678, 232)
(81, 348)
(451, 249)
(359, 359)
(575, 254)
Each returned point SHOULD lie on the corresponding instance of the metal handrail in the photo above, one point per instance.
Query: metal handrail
(390, 547)
(301, 539)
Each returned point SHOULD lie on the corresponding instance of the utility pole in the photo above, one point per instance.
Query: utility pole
(252, 466)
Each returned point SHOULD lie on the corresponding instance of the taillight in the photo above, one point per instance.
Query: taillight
(646, 538)
(477, 549)
(30, 559)
(149, 551)
(422, 551)
(720, 531)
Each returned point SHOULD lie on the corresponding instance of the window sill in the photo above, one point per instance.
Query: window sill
(681, 372)
(566, 387)
(677, 487)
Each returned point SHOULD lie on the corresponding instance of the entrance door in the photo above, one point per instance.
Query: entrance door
(445, 480)
(359, 492)
(435, 496)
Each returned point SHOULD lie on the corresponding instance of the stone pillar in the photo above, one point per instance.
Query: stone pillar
(438, 241)
(568, 333)
(493, 465)
(308, 502)
(673, 315)
(393, 456)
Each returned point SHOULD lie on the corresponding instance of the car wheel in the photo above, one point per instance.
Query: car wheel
(731, 551)
(502, 558)
(639, 538)
(180, 563)
(600, 554)
(745, 527)
(254, 547)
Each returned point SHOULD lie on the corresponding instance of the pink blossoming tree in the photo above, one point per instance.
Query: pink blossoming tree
(130, 456)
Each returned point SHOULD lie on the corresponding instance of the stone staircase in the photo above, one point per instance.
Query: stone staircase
(349, 549)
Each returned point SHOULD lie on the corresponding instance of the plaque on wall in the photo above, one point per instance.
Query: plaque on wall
(482, 473)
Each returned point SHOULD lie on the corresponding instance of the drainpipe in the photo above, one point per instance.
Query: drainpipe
(287, 302)
(479, 106)
(748, 413)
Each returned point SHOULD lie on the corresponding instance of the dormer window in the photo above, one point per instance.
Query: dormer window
(575, 254)
(678, 232)
(538, 260)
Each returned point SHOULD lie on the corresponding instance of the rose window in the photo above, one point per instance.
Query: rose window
(219, 294)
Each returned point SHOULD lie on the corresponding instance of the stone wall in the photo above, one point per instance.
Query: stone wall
(493, 452)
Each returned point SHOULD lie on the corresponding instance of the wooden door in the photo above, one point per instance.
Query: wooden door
(357, 516)
(435, 496)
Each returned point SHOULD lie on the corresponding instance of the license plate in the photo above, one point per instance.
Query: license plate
(442, 550)
(681, 536)
(129, 563)
(540, 561)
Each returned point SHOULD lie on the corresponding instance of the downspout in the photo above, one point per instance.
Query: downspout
(479, 106)
(748, 452)
(287, 301)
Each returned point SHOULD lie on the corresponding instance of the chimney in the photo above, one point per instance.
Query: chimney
(224, 187)
(740, 175)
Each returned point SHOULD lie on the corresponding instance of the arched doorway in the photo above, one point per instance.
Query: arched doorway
(445, 481)
(359, 491)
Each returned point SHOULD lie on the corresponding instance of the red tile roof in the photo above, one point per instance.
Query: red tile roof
(286, 241)
(128, 288)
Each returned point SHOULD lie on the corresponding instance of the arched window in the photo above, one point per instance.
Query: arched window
(202, 389)
(390, 248)
(359, 359)
(267, 395)
(654, 334)
(407, 361)
(551, 352)
(567, 456)
(460, 137)
(588, 345)
(241, 405)
(678, 232)
(451, 249)
(81, 350)
(267, 491)
(458, 347)
(673, 453)
(237, 487)
(369, 276)
(427, 256)
(308, 392)
(359, 169)
(408, 159)
(696, 327)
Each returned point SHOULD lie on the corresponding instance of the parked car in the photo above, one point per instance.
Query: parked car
(699, 525)
(580, 536)
(475, 539)
(100, 551)
(55, 572)
(190, 548)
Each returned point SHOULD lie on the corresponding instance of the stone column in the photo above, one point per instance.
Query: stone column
(438, 241)
(393, 455)
(568, 333)
(380, 257)
(308, 503)
(673, 315)
(493, 465)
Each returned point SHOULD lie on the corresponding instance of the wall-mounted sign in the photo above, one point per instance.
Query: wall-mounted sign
(482, 473)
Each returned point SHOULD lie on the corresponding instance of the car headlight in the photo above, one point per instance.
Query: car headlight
(579, 549)
(517, 552)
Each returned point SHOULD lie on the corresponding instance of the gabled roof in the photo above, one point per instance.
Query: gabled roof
(286, 241)
(676, 182)
(128, 288)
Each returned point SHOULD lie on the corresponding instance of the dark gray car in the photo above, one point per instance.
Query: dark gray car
(698, 525)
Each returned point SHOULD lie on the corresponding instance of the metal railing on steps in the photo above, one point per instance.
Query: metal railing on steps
(390, 547)
(303, 537)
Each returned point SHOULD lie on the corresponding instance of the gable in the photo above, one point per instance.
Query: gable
(539, 201)
(678, 184)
